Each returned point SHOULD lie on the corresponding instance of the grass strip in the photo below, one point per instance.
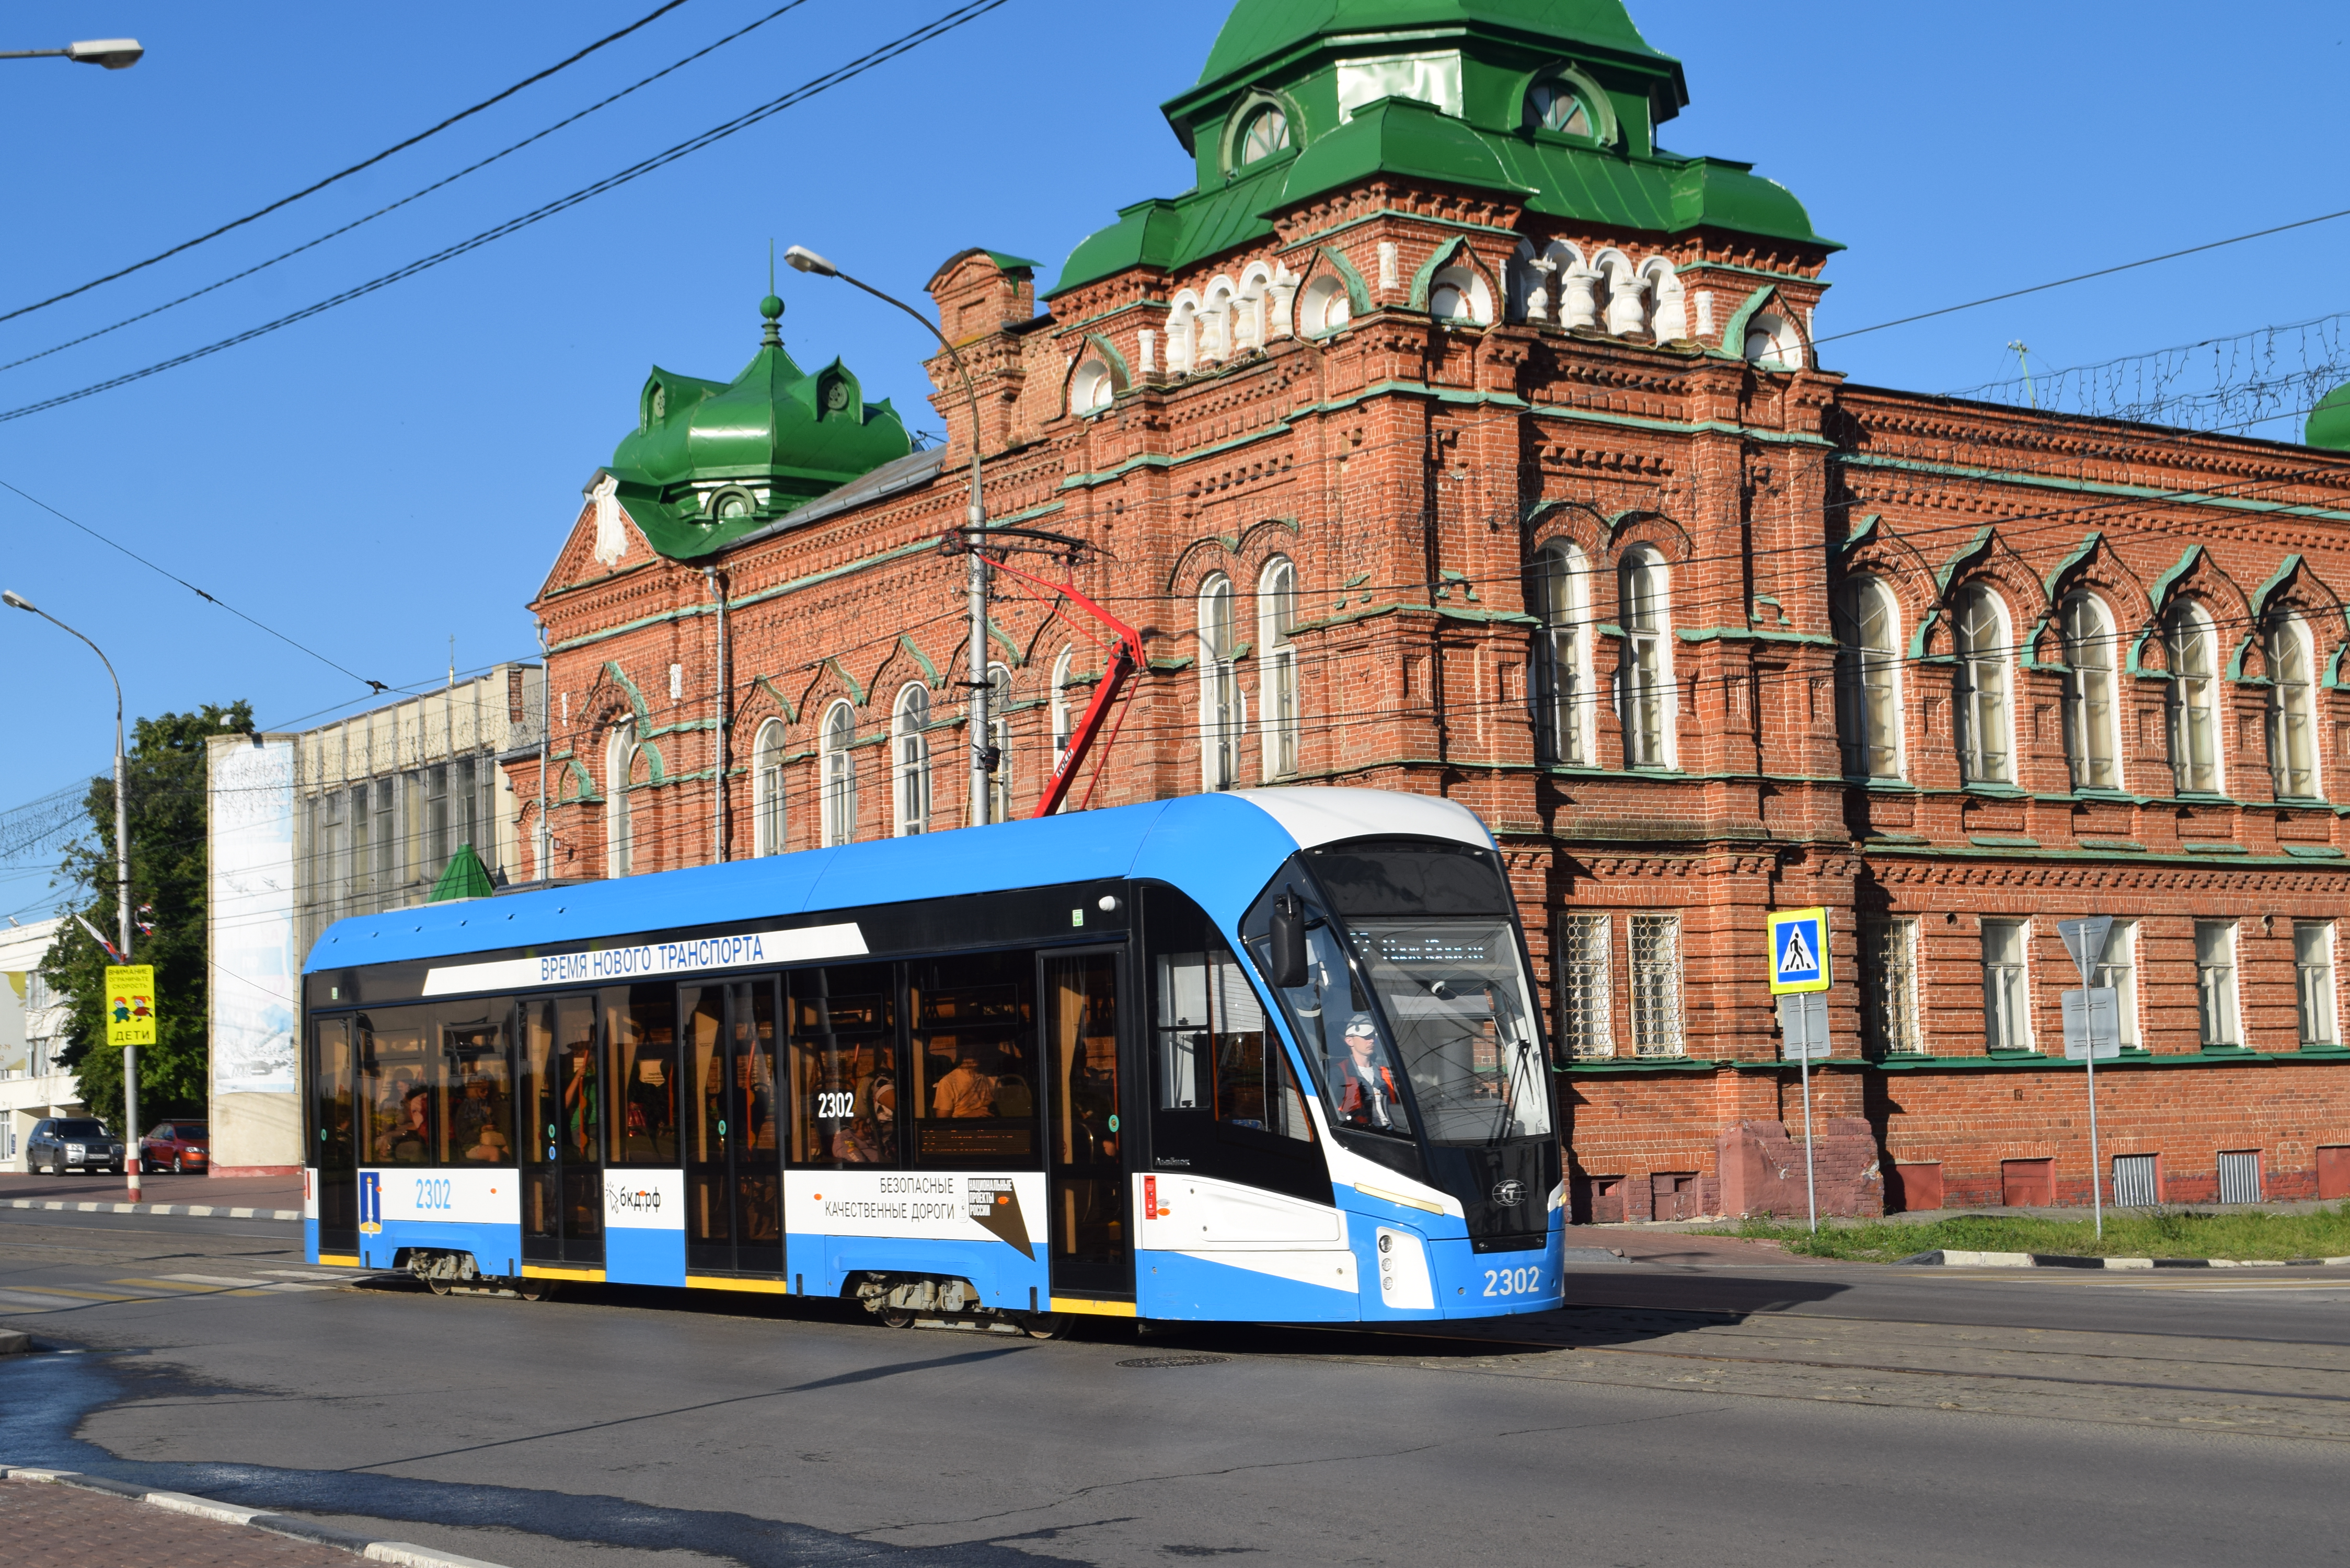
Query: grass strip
(2163, 1233)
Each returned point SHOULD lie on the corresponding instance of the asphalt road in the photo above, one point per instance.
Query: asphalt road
(1731, 1405)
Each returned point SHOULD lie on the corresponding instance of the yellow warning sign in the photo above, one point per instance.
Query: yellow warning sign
(130, 1004)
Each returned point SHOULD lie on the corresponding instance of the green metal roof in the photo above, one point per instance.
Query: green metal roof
(1290, 51)
(783, 435)
(2329, 421)
(465, 877)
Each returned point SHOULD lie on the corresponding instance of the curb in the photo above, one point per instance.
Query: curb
(367, 1546)
(1944, 1257)
(203, 1210)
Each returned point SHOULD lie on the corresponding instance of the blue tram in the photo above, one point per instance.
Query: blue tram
(1268, 1055)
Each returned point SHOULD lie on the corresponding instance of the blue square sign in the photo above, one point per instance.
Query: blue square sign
(1799, 950)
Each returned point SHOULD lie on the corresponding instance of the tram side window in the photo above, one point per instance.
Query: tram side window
(472, 1095)
(435, 1084)
(396, 1061)
(640, 1056)
(1213, 1054)
(844, 1065)
(563, 1107)
(973, 1101)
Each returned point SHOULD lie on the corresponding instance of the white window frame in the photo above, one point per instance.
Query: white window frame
(1647, 706)
(1563, 686)
(909, 760)
(1064, 716)
(1582, 969)
(2316, 990)
(1868, 679)
(837, 770)
(620, 826)
(1653, 958)
(1888, 968)
(1091, 389)
(1277, 697)
(2194, 706)
(2219, 988)
(2116, 970)
(1985, 686)
(2007, 989)
(2293, 712)
(768, 819)
(999, 735)
(2092, 714)
(1220, 696)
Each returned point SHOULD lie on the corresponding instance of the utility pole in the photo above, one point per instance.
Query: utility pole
(983, 755)
(122, 923)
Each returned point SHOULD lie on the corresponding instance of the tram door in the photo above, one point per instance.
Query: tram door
(334, 1145)
(734, 1154)
(1092, 1233)
(562, 1127)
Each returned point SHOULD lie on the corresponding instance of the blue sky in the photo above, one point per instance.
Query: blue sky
(403, 468)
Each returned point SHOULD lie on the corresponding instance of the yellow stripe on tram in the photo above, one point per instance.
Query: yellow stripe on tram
(1099, 1309)
(721, 1282)
(339, 1260)
(543, 1271)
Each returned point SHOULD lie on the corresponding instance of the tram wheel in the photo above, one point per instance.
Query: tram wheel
(895, 1317)
(534, 1290)
(1046, 1325)
(438, 1286)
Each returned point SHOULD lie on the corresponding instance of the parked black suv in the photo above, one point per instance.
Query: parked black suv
(60, 1143)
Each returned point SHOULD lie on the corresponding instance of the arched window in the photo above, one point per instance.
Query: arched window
(1986, 750)
(999, 736)
(2293, 712)
(1266, 133)
(1561, 600)
(767, 790)
(909, 748)
(1064, 720)
(2091, 741)
(1091, 389)
(839, 774)
(1458, 294)
(1276, 613)
(2194, 700)
(1772, 343)
(1220, 698)
(1868, 683)
(1324, 306)
(1645, 602)
(1554, 106)
(1183, 334)
(619, 831)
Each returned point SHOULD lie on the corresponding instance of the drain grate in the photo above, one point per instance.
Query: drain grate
(1174, 1360)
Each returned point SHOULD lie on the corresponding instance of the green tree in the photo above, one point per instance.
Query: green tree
(167, 795)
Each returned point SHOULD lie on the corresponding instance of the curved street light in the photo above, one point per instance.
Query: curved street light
(114, 54)
(982, 755)
(122, 883)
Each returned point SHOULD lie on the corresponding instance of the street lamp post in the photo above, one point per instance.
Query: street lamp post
(114, 54)
(121, 886)
(983, 755)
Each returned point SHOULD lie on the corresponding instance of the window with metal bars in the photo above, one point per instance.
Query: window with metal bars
(2134, 1181)
(1889, 966)
(1580, 983)
(2239, 1175)
(1656, 942)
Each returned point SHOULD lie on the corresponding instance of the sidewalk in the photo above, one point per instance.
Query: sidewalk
(159, 1187)
(58, 1516)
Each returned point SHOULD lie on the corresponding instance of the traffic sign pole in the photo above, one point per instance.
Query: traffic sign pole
(1799, 978)
(2086, 939)
(1811, 1187)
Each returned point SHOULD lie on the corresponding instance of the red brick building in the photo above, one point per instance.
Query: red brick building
(1449, 436)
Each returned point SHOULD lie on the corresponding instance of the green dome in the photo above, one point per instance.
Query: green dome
(1259, 30)
(2329, 423)
(709, 463)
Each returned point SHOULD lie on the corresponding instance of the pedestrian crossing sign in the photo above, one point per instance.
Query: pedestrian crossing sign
(1799, 950)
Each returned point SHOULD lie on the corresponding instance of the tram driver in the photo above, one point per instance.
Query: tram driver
(1367, 1088)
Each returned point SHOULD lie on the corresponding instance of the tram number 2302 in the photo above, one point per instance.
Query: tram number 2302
(432, 1194)
(833, 1105)
(1513, 1282)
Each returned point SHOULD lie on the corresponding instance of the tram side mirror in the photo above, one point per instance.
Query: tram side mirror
(1288, 941)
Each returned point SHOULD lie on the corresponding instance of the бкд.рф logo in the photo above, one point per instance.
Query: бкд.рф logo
(1509, 1194)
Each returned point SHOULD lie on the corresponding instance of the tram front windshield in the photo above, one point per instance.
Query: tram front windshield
(1416, 1009)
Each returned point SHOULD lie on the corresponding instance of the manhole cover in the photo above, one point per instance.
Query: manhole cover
(1173, 1361)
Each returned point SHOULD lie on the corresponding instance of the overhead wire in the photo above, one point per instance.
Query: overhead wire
(412, 196)
(906, 43)
(364, 163)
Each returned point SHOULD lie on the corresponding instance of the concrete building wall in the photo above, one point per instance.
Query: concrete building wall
(32, 1032)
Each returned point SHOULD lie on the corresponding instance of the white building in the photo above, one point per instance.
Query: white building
(32, 1032)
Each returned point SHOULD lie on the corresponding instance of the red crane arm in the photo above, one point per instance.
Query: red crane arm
(1126, 658)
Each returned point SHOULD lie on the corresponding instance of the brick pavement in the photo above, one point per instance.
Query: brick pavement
(43, 1522)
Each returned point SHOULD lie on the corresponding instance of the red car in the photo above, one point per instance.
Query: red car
(176, 1146)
